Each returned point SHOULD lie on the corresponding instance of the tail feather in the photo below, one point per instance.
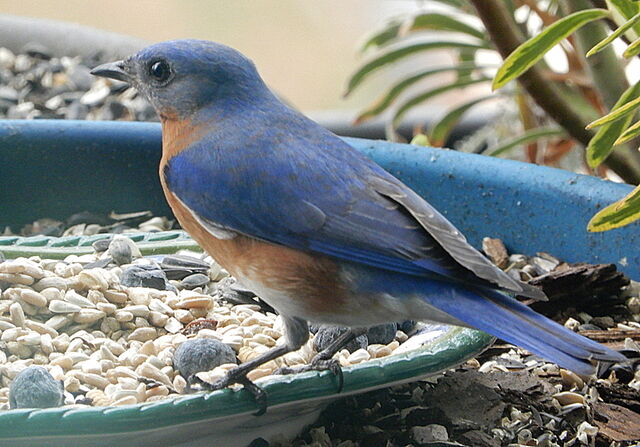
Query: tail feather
(500, 315)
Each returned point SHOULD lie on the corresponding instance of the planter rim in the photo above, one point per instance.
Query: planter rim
(531, 208)
(452, 347)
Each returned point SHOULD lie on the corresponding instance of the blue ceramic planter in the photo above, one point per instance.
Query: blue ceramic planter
(57, 168)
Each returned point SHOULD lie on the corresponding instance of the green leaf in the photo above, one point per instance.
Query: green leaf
(623, 10)
(402, 52)
(527, 137)
(466, 56)
(602, 143)
(613, 36)
(389, 96)
(443, 22)
(617, 214)
(383, 36)
(626, 8)
(633, 49)
(534, 49)
(420, 140)
(616, 113)
(421, 22)
(629, 134)
(412, 102)
(441, 130)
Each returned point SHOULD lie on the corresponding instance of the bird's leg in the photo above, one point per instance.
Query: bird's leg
(296, 333)
(339, 343)
(324, 359)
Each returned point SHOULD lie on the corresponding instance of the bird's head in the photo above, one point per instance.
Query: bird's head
(181, 77)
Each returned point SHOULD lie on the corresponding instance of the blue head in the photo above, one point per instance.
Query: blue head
(181, 77)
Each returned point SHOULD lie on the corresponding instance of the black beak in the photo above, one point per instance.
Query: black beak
(113, 70)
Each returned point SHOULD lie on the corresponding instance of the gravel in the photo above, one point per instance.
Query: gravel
(34, 85)
(35, 388)
(126, 333)
(199, 355)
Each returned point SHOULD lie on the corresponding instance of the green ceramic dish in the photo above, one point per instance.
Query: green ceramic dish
(221, 418)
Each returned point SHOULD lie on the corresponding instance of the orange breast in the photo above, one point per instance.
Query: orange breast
(309, 277)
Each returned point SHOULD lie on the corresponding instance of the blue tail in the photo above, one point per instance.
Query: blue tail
(500, 315)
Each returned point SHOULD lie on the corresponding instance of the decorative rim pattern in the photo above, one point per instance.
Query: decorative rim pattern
(162, 242)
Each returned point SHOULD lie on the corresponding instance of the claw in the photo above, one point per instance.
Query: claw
(259, 395)
(332, 365)
(317, 364)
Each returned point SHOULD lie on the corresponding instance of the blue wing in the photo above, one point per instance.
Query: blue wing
(296, 184)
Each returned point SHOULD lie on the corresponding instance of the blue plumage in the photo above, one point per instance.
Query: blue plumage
(240, 167)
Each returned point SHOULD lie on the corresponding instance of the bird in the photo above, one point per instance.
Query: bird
(312, 226)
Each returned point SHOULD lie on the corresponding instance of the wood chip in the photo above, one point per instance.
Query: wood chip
(617, 423)
(495, 249)
(613, 335)
(576, 281)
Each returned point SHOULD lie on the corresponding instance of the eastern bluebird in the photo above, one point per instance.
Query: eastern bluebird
(313, 227)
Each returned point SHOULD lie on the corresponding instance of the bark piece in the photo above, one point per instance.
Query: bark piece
(616, 423)
(592, 288)
(495, 249)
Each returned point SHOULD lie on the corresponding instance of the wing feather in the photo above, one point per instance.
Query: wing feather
(332, 201)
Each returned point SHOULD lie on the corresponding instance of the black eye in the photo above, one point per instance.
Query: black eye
(160, 71)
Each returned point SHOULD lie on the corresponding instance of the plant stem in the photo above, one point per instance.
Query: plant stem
(506, 37)
(604, 67)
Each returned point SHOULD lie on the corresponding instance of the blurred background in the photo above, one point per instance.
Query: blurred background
(305, 50)
(414, 68)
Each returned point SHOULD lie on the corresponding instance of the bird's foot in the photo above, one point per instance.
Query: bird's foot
(239, 376)
(319, 363)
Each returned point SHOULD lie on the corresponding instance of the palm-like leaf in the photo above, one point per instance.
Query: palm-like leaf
(527, 137)
(618, 214)
(601, 145)
(614, 35)
(534, 49)
(442, 129)
(403, 51)
(422, 97)
(382, 103)
(421, 22)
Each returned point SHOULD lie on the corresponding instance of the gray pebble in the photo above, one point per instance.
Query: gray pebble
(429, 433)
(112, 111)
(327, 334)
(81, 77)
(9, 94)
(145, 276)
(382, 333)
(120, 250)
(76, 111)
(588, 327)
(195, 280)
(35, 388)
(101, 245)
(201, 354)
(603, 322)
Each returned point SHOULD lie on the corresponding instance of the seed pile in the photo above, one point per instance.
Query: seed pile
(87, 224)
(110, 333)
